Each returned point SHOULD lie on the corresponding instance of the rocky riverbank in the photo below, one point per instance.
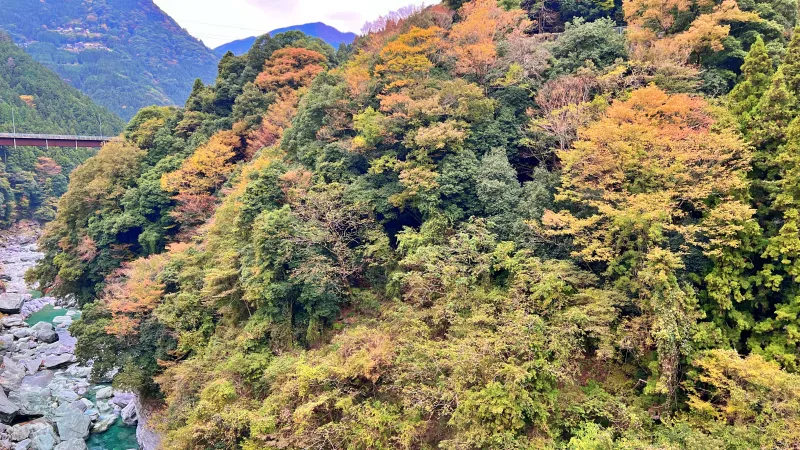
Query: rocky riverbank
(47, 400)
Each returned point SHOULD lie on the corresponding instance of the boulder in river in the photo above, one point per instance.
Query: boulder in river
(105, 392)
(8, 410)
(56, 361)
(72, 423)
(129, 414)
(45, 332)
(11, 303)
(72, 444)
(11, 374)
(104, 423)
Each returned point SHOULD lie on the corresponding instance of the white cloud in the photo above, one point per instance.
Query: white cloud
(217, 22)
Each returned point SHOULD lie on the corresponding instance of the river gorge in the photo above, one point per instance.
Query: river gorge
(48, 400)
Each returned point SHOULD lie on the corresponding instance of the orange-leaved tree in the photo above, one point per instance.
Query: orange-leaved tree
(196, 181)
(641, 181)
(133, 293)
(473, 41)
(291, 68)
(288, 71)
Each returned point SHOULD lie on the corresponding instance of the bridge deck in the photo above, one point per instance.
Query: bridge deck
(52, 140)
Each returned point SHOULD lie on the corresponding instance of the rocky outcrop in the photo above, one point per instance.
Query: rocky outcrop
(147, 437)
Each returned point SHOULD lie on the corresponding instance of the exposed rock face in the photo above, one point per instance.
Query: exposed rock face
(147, 437)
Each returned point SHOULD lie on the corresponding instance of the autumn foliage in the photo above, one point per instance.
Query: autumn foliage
(290, 68)
(473, 40)
(464, 231)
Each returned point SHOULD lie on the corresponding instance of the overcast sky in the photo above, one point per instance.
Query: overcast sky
(217, 22)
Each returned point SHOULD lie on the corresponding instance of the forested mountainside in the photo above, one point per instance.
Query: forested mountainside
(31, 179)
(327, 33)
(124, 54)
(461, 233)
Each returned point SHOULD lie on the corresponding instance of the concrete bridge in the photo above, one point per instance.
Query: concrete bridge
(52, 140)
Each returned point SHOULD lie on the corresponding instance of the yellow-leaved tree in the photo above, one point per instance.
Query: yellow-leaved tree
(641, 181)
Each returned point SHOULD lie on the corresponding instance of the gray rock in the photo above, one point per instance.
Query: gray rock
(45, 332)
(19, 432)
(56, 361)
(41, 379)
(72, 444)
(11, 374)
(79, 371)
(105, 392)
(92, 413)
(62, 320)
(148, 439)
(104, 423)
(45, 438)
(34, 396)
(12, 321)
(84, 404)
(20, 333)
(23, 445)
(123, 399)
(72, 423)
(7, 341)
(47, 336)
(11, 303)
(32, 365)
(66, 396)
(128, 414)
(104, 407)
(8, 410)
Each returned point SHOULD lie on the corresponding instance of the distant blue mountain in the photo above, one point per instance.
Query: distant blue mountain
(320, 30)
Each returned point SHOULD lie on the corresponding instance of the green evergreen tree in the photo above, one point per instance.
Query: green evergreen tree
(773, 114)
(791, 63)
(756, 72)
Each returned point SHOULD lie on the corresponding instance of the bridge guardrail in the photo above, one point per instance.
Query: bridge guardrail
(56, 137)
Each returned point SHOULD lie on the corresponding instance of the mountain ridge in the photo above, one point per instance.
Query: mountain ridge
(124, 54)
(321, 30)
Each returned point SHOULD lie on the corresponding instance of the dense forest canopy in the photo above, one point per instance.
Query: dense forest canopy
(124, 54)
(485, 224)
(36, 100)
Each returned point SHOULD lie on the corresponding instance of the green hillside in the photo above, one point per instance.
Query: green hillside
(31, 179)
(464, 232)
(124, 54)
